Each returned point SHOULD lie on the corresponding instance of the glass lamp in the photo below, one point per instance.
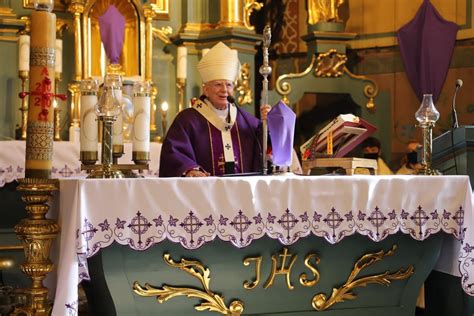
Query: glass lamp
(427, 116)
(44, 5)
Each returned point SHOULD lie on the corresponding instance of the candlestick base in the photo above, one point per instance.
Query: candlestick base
(428, 172)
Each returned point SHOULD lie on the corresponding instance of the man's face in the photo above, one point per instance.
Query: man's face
(217, 92)
(370, 150)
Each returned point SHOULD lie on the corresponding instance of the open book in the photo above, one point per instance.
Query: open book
(344, 132)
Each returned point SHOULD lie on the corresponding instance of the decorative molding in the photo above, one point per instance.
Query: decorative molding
(212, 301)
(59, 5)
(320, 302)
(162, 9)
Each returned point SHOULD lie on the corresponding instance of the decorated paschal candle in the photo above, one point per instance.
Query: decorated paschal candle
(40, 125)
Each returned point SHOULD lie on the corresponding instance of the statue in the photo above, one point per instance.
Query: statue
(323, 11)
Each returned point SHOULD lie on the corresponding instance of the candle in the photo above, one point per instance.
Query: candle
(24, 53)
(40, 126)
(164, 111)
(58, 65)
(141, 117)
(181, 62)
(89, 128)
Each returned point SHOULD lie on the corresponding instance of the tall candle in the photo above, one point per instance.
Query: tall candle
(24, 53)
(58, 66)
(89, 127)
(40, 126)
(141, 117)
(181, 62)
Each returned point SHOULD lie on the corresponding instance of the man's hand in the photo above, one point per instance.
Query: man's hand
(264, 109)
(196, 173)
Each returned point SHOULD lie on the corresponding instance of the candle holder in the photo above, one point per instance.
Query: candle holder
(180, 84)
(427, 115)
(24, 103)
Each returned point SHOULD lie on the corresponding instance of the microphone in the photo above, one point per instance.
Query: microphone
(453, 111)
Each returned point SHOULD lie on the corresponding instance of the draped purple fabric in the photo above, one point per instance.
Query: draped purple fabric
(112, 31)
(426, 46)
(281, 125)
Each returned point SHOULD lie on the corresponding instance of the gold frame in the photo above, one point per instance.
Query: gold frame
(161, 9)
(58, 6)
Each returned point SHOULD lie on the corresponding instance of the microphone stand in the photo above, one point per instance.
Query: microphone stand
(265, 70)
(454, 113)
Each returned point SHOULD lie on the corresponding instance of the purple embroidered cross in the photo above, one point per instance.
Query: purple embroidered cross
(420, 218)
(287, 221)
(191, 225)
(139, 225)
(241, 223)
(377, 219)
(333, 220)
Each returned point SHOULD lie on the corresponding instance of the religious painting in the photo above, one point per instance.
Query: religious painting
(59, 5)
(162, 9)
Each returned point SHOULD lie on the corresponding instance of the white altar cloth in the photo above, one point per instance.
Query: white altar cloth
(192, 211)
(65, 160)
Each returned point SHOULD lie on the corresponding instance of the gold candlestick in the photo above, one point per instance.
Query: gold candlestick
(24, 103)
(180, 84)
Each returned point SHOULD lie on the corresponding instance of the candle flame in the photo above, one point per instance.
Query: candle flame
(55, 104)
(164, 106)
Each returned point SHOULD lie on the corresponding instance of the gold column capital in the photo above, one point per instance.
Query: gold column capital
(26, 20)
(76, 7)
(149, 11)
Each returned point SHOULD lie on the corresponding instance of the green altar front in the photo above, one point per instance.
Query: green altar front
(123, 266)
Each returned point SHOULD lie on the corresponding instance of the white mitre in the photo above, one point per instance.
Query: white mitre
(219, 63)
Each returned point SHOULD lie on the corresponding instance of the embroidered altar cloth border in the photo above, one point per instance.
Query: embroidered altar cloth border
(140, 213)
(66, 162)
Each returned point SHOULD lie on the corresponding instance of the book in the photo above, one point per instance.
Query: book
(346, 130)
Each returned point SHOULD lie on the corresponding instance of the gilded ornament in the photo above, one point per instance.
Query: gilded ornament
(249, 6)
(283, 269)
(304, 281)
(245, 95)
(258, 263)
(330, 64)
(320, 302)
(212, 301)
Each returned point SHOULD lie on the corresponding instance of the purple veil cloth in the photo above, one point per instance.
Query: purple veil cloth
(112, 31)
(426, 46)
(281, 125)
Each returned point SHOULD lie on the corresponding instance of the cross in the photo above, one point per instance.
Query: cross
(377, 219)
(139, 227)
(227, 146)
(228, 127)
(89, 232)
(190, 226)
(333, 220)
(241, 225)
(282, 269)
(459, 218)
(419, 218)
(287, 221)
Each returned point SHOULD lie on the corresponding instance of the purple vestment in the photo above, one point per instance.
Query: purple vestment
(193, 142)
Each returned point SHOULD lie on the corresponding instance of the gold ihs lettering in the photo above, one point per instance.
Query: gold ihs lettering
(304, 281)
(282, 270)
(258, 263)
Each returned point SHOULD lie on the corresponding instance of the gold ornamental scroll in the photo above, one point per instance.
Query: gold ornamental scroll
(40, 126)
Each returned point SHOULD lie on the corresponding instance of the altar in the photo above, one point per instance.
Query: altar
(258, 245)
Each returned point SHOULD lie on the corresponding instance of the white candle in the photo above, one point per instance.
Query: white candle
(181, 62)
(58, 65)
(141, 123)
(89, 126)
(117, 138)
(24, 53)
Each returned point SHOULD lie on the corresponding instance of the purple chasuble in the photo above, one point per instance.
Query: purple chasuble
(193, 142)
(426, 46)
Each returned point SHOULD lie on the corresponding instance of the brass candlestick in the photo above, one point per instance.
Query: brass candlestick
(181, 85)
(24, 103)
(36, 234)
